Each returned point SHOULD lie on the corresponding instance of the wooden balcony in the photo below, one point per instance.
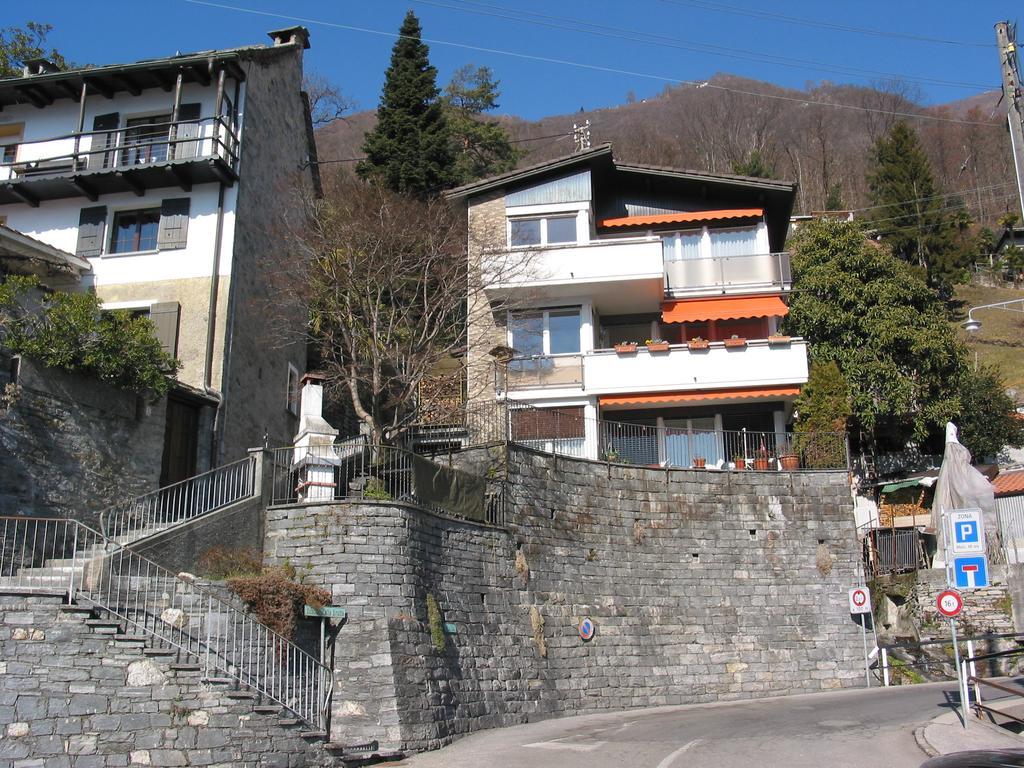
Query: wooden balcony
(132, 159)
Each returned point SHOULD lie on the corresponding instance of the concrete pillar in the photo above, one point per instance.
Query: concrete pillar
(313, 456)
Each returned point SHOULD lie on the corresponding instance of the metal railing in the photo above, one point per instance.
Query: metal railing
(61, 556)
(539, 372)
(724, 274)
(124, 148)
(893, 550)
(355, 470)
(145, 515)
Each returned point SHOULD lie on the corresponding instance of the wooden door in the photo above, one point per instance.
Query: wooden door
(181, 441)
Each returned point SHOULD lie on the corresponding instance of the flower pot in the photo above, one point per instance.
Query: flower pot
(735, 343)
(625, 349)
(740, 463)
(658, 346)
(777, 341)
(789, 462)
(695, 344)
(699, 462)
(761, 464)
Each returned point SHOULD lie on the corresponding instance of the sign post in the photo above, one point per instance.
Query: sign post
(963, 533)
(860, 605)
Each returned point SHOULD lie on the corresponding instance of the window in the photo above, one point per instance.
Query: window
(545, 332)
(542, 230)
(145, 140)
(681, 246)
(135, 231)
(10, 136)
(734, 242)
(292, 392)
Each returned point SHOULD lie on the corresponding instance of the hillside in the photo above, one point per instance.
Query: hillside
(819, 147)
(1000, 341)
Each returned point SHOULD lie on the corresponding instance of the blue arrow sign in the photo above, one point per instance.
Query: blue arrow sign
(970, 572)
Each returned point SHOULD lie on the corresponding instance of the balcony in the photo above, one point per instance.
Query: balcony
(131, 159)
(605, 372)
(756, 273)
(620, 276)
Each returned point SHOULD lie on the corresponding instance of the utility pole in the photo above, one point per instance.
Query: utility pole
(1006, 39)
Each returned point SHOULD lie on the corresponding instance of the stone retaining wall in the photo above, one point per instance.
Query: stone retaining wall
(703, 586)
(73, 698)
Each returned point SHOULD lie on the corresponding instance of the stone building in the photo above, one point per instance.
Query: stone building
(171, 177)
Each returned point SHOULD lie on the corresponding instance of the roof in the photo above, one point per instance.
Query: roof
(1009, 483)
(682, 218)
(18, 246)
(47, 86)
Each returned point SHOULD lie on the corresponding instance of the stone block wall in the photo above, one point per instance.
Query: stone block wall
(987, 610)
(71, 445)
(73, 698)
(703, 586)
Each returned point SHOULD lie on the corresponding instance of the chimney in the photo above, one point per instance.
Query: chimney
(290, 36)
(38, 67)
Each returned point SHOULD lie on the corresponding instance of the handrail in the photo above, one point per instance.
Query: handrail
(187, 499)
(66, 556)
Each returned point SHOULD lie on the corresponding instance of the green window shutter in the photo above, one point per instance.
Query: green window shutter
(187, 130)
(91, 227)
(164, 317)
(104, 141)
(173, 231)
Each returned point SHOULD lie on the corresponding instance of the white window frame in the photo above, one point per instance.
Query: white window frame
(546, 334)
(544, 219)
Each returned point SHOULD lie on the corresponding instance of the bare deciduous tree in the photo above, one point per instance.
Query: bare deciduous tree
(326, 101)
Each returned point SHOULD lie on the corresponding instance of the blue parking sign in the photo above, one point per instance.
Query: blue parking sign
(970, 572)
(966, 532)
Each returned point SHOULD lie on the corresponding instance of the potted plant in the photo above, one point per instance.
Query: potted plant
(625, 347)
(739, 461)
(735, 342)
(788, 458)
(698, 343)
(610, 454)
(762, 459)
(699, 462)
(778, 340)
(657, 345)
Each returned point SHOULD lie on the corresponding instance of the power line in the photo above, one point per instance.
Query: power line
(575, 25)
(601, 68)
(771, 16)
(933, 197)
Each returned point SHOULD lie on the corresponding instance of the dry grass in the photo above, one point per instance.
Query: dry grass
(1000, 341)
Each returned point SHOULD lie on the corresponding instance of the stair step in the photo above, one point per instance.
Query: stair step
(83, 610)
(313, 734)
(240, 695)
(104, 624)
(287, 722)
(131, 638)
(158, 652)
(267, 709)
(219, 680)
(182, 667)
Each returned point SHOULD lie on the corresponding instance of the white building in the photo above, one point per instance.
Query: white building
(170, 176)
(582, 257)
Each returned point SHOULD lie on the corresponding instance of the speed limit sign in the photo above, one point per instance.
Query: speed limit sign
(860, 600)
(950, 603)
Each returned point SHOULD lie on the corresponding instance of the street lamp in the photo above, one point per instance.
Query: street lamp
(972, 324)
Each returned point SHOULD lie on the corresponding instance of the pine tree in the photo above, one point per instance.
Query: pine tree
(409, 150)
(481, 147)
(910, 214)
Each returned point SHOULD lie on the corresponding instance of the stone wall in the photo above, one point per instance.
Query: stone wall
(71, 445)
(71, 697)
(703, 586)
(987, 610)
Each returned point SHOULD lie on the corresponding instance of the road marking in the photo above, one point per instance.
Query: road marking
(671, 758)
(554, 744)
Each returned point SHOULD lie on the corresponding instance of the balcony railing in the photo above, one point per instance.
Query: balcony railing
(119, 149)
(728, 274)
(540, 372)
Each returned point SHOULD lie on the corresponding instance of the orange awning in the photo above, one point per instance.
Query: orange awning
(683, 218)
(722, 308)
(670, 398)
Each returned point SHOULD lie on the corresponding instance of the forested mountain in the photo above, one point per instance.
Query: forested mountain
(824, 149)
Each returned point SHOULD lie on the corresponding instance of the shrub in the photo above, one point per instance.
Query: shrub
(375, 490)
(219, 563)
(276, 600)
(437, 638)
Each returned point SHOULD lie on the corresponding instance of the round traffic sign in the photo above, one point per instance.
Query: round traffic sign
(587, 629)
(950, 603)
(859, 597)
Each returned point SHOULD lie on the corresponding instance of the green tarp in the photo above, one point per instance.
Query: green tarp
(456, 492)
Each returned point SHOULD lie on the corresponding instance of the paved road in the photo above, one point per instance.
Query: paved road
(864, 728)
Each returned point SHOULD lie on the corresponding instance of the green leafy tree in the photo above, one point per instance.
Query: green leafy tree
(910, 216)
(19, 44)
(987, 420)
(480, 147)
(409, 150)
(70, 331)
(834, 197)
(754, 165)
(871, 314)
(824, 412)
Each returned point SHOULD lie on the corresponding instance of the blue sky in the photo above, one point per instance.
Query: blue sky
(649, 42)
